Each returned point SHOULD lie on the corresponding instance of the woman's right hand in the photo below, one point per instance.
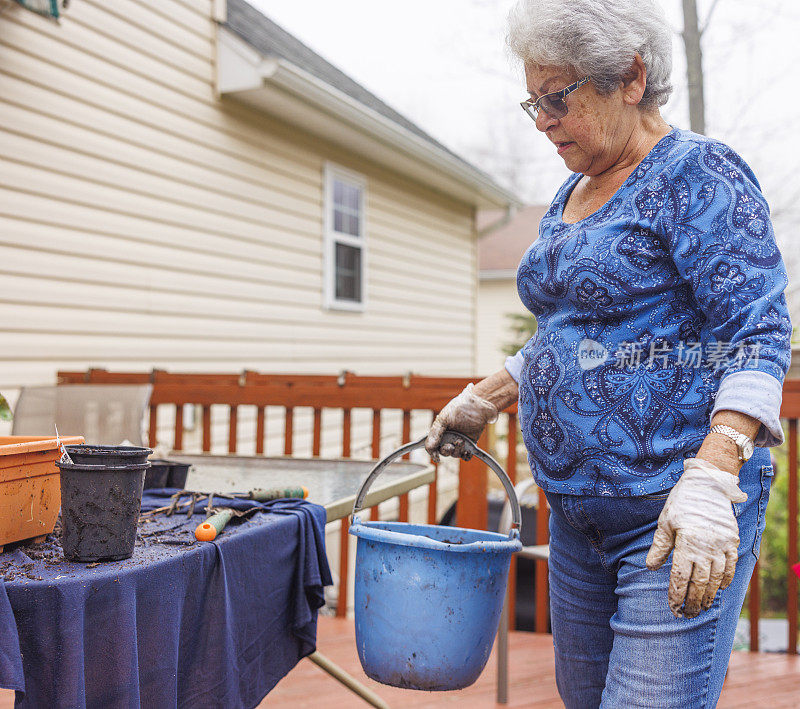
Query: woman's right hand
(467, 414)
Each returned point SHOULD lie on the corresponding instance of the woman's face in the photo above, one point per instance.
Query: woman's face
(591, 138)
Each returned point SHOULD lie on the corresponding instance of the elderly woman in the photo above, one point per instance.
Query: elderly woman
(650, 393)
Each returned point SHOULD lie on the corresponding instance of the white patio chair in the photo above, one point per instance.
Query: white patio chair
(106, 414)
(536, 551)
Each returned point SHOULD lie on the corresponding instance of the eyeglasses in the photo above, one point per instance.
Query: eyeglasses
(553, 104)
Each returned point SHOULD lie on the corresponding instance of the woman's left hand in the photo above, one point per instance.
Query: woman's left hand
(721, 452)
(698, 523)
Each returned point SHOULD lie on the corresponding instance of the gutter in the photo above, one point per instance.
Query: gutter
(498, 274)
(510, 213)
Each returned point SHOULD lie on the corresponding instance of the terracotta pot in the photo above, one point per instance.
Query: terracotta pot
(30, 494)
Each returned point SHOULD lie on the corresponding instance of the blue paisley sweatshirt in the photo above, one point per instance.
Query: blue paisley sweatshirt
(661, 308)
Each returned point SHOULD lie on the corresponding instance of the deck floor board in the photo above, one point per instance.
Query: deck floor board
(754, 679)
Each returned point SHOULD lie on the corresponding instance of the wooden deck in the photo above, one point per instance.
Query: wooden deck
(754, 679)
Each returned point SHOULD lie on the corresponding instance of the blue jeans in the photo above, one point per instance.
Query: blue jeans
(617, 644)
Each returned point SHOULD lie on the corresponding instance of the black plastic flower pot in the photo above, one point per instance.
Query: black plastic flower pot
(177, 475)
(157, 474)
(99, 510)
(108, 455)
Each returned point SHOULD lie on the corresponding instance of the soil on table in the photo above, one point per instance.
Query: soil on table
(151, 532)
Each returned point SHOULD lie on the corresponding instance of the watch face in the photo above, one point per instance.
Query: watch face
(747, 450)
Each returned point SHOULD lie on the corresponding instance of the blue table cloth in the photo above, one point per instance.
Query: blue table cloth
(182, 623)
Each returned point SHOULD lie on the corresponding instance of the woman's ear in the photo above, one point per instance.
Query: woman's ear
(635, 81)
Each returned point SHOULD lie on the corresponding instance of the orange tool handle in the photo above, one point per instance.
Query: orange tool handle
(213, 526)
(208, 530)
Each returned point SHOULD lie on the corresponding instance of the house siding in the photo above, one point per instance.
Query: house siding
(146, 223)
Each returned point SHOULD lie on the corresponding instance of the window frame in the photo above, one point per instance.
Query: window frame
(331, 238)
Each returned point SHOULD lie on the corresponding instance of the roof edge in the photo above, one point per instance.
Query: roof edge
(497, 274)
(317, 94)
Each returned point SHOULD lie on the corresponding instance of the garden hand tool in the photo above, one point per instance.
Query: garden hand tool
(213, 526)
(278, 493)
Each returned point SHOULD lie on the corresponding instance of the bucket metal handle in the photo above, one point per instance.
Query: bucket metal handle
(448, 437)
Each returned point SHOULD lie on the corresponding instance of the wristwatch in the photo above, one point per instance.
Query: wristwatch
(743, 443)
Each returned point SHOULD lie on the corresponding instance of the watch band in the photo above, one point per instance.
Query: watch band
(743, 443)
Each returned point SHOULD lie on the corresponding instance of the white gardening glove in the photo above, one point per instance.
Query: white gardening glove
(468, 414)
(698, 521)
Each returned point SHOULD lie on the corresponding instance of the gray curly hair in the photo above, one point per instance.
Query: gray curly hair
(597, 38)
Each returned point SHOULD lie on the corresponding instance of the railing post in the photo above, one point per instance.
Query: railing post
(261, 429)
(754, 607)
(375, 452)
(344, 567)
(344, 537)
(316, 443)
(511, 469)
(233, 421)
(402, 515)
(433, 488)
(288, 431)
(433, 493)
(346, 434)
(206, 428)
(791, 550)
(177, 441)
(542, 537)
(472, 508)
(153, 432)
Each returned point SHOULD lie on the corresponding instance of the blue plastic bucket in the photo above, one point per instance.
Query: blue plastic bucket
(428, 598)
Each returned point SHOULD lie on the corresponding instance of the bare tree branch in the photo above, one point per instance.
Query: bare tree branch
(708, 17)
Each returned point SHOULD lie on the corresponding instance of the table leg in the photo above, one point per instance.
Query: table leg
(502, 655)
(347, 680)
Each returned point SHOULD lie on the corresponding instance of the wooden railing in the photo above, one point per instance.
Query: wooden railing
(345, 392)
(411, 394)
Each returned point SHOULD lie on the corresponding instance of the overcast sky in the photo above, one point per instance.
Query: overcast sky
(442, 63)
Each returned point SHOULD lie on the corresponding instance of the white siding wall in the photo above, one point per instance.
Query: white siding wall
(144, 223)
(496, 299)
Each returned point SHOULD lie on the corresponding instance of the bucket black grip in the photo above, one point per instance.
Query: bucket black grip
(448, 437)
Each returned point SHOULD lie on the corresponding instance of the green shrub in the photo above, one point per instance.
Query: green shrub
(5, 409)
(774, 567)
(522, 328)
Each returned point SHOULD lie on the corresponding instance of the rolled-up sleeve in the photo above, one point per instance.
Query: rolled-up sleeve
(514, 365)
(758, 395)
(717, 226)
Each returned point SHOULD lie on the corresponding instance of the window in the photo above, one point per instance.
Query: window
(345, 247)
